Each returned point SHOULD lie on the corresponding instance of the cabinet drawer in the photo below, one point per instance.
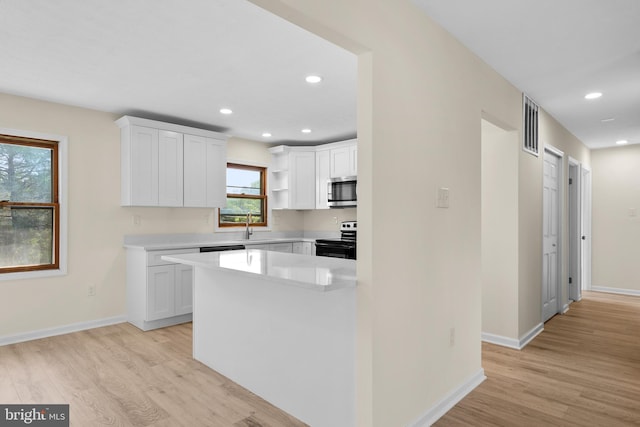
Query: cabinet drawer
(155, 257)
(281, 247)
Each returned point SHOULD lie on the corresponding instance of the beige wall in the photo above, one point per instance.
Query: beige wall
(508, 165)
(500, 151)
(421, 96)
(551, 134)
(97, 223)
(420, 99)
(555, 135)
(615, 232)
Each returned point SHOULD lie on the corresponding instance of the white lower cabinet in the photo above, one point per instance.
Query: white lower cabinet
(159, 293)
(170, 291)
(305, 248)
(184, 289)
(288, 247)
(281, 247)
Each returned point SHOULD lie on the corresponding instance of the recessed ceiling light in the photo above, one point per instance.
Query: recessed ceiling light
(266, 135)
(226, 111)
(306, 130)
(593, 95)
(622, 142)
(313, 79)
(610, 119)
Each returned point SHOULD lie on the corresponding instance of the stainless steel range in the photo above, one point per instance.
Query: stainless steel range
(345, 247)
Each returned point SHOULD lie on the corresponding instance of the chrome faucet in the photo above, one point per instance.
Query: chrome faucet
(248, 231)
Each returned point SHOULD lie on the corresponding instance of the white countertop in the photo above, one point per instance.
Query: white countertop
(305, 271)
(188, 241)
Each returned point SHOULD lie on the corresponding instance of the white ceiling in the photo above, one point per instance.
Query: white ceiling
(180, 62)
(557, 51)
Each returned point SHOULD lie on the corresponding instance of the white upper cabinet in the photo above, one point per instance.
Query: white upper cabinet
(323, 173)
(293, 177)
(353, 159)
(170, 171)
(205, 164)
(139, 184)
(164, 164)
(340, 162)
(300, 175)
(344, 160)
(302, 166)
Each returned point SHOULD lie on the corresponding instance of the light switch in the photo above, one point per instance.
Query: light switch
(443, 198)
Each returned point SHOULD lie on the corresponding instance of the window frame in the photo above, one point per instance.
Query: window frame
(263, 196)
(59, 189)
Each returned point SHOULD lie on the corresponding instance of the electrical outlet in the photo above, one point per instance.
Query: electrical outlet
(92, 290)
(137, 220)
(452, 337)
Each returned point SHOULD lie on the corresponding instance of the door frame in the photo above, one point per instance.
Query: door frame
(574, 215)
(585, 179)
(561, 302)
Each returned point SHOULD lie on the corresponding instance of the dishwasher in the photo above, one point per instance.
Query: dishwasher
(221, 248)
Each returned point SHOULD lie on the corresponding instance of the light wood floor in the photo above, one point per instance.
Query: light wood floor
(119, 376)
(583, 370)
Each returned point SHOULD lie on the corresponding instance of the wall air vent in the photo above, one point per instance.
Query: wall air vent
(529, 125)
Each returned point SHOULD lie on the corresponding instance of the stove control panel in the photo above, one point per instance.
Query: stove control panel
(349, 226)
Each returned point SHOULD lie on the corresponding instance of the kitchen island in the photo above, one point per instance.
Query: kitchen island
(281, 325)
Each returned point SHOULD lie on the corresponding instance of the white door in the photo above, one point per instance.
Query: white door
(550, 227)
(575, 231)
(586, 229)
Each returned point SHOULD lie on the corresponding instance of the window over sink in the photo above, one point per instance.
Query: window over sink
(246, 196)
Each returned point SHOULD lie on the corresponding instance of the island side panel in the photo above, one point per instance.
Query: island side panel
(293, 347)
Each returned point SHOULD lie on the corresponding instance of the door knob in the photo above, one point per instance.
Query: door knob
(584, 237)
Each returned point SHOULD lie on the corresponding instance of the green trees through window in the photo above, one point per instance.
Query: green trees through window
(28, 204)
(246, 194)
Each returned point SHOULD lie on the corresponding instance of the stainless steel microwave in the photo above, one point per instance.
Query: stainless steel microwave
(341, 192)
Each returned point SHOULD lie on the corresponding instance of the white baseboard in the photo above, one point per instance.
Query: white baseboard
(512, 342)
(501, 341)
(630, 292)
(60, 330)
(449, 401)
(529, 336)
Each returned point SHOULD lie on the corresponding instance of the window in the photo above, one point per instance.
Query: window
(246, 195)
(530, 125)
(29, 204)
